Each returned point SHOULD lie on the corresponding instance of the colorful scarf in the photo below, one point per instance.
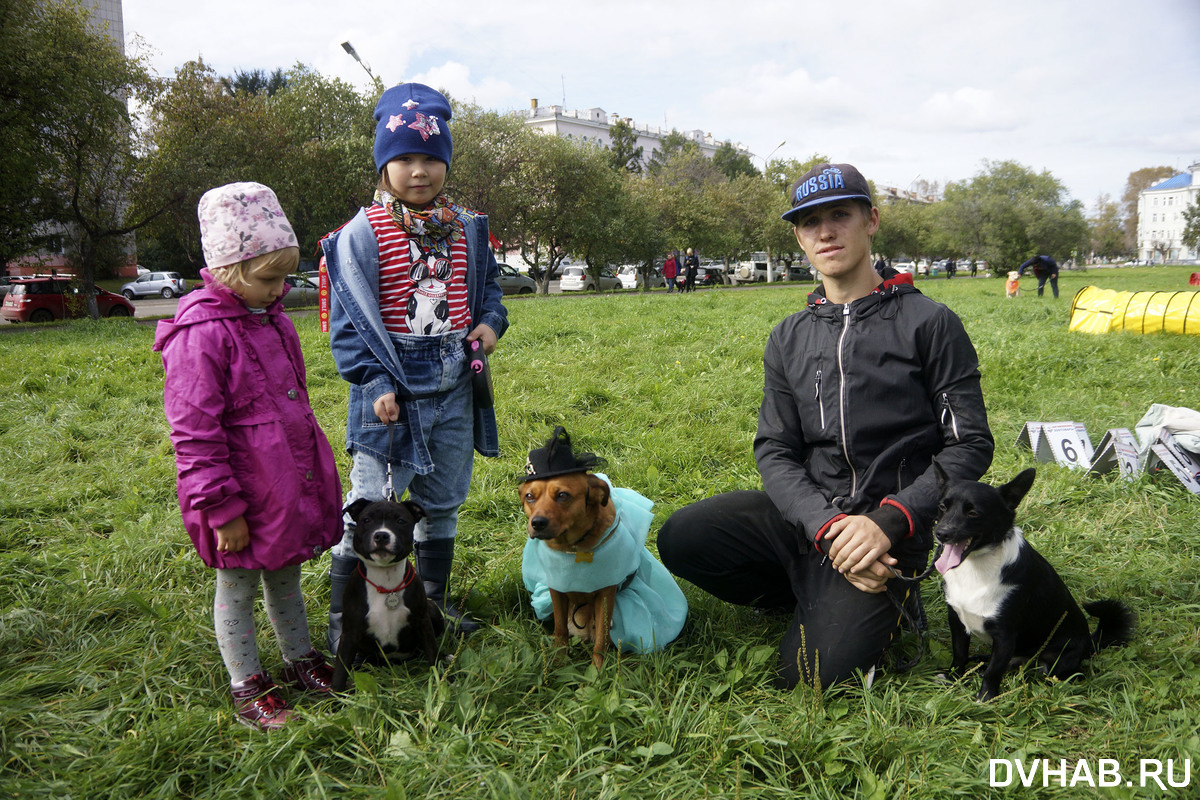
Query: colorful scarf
(433, 228)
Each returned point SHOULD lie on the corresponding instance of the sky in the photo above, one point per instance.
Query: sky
(906, 90)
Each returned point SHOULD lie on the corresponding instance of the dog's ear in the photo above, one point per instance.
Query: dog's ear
(418, 513)
(355, 508)
(598, 491)
(1015, 490)
(942, 478)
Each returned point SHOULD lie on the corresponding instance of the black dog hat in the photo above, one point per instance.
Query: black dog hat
(556, 458)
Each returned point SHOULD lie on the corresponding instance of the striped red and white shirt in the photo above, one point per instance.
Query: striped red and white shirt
(427, 307)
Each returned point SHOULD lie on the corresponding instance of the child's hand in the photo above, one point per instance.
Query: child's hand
(858, 543)
(233, 536)
(485, 335)
(386, 408)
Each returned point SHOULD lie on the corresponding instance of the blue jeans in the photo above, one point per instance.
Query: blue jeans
(432, 365)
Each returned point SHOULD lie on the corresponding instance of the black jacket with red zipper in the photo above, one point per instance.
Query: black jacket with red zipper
(858, 400)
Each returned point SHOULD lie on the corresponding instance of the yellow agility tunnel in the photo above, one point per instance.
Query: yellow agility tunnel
(1096, 310)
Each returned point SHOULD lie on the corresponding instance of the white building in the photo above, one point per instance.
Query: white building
(592, 127)
(1160, 218)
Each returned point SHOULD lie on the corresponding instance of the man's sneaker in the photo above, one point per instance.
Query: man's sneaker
(310, 674)
(260, 703)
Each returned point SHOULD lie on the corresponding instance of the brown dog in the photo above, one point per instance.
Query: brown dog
(571, 513)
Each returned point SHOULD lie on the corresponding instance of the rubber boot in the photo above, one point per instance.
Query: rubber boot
(434, 558)
(339, 573)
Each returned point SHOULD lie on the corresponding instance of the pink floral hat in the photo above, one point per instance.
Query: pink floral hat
(239, 221)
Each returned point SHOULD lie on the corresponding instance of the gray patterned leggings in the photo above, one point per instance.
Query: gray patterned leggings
(233, 617)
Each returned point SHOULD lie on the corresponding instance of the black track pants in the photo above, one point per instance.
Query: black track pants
(737, 547)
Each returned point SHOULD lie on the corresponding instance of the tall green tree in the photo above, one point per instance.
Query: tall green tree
(1191, 227)
(672, 145)
(74, 146)
(489, 172)
(1106, 233)
(255, 82)
(733, 163)
(624, 152)
(1007, 213)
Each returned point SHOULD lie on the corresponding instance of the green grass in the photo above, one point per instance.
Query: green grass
(113, 687)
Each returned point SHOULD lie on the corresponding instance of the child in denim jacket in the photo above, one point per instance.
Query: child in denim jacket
(412, 281)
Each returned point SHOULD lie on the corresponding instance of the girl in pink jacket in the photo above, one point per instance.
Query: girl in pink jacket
(258, 486)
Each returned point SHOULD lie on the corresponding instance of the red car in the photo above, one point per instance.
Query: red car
(47, 299)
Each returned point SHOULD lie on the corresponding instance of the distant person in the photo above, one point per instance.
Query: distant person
(951, 268)
(413, 282)
(1044, 268)
(670, 270)
(974, 267)
(257, 482)
(849, 490)
(691, 266)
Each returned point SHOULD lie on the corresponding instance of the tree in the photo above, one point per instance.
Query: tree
(1191, 227)
(29, 75)
(1139, 181)
(488, 174)
(1007, 213)
(255, 82)
(555, 218)
(673, 144)
(732, 162)
(88, 143)
(1106, 234)
(624, 153)
(310, 142)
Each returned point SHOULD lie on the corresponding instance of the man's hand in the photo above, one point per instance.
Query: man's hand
(859, 550)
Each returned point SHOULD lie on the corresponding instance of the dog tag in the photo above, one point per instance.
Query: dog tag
(393, 600)
(583, 557)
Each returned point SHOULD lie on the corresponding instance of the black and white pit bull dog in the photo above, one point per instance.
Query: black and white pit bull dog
(385, 613)
(1003, 591)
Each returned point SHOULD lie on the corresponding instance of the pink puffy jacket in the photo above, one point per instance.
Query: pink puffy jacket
(246, 441)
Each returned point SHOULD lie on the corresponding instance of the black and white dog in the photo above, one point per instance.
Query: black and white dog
(385, 613)
(1002, 590)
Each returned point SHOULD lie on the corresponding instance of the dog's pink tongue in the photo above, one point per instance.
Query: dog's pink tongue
(951, 557)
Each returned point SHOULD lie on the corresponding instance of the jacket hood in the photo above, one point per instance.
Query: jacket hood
(214, 301)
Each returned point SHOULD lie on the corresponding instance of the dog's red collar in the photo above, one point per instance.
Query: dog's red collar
(409, 573)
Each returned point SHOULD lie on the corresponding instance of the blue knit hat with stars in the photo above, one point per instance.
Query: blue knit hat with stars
(412, 118)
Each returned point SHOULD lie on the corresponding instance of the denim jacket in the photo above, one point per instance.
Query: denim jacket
(362, 349)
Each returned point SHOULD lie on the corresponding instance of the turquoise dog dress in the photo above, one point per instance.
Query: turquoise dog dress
(650, 608)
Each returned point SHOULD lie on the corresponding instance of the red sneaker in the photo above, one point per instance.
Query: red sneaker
(310, 674)
(260, 703)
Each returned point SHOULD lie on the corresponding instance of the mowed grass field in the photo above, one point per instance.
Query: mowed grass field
(112, 685)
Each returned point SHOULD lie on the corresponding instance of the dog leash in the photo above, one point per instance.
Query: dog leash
(389, 491)
(902, 665)
(928, 570)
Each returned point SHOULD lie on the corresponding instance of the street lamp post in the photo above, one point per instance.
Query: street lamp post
(349, 48)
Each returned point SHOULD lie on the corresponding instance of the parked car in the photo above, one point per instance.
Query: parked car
(48, 299)
(579, 279)
(166, 284)
(799, 272)
(752, 271)
(513, 282)
(631, 277)
(907, 267)
(304, 292)
(709, 275)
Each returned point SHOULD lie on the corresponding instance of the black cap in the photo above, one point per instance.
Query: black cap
(556, 458)
(826, 183)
